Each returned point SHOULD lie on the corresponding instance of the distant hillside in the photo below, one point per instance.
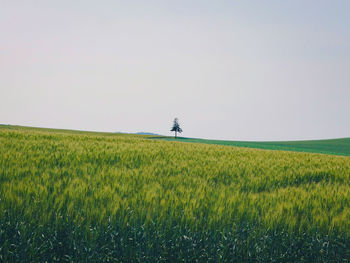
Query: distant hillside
(332, 146)
(147, 133)
(140, 133)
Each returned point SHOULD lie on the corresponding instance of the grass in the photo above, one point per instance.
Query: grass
(68, 196)
(332, 146)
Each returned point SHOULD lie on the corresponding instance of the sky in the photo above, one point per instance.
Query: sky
(234, 70)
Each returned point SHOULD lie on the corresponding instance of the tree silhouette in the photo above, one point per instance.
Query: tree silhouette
(176, 127)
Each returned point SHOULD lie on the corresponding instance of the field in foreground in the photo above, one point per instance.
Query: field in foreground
(332, 146)
(75, 196)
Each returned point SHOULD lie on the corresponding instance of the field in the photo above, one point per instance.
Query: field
(70, 196)
(333, 146)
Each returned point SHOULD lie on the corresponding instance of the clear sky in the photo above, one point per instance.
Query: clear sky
(239, 70)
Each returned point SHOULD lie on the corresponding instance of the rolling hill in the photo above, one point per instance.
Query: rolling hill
(74, 196)
(332, 146)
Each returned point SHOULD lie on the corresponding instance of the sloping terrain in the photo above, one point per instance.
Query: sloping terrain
(72, 196)
(333, 146)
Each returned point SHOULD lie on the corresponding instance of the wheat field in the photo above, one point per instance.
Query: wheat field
(68, 196)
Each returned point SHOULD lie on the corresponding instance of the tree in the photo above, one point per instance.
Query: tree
(176, 127)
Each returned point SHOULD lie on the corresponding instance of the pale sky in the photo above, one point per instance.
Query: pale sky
(237, 70)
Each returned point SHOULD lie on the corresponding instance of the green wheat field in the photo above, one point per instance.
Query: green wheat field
(71, 196)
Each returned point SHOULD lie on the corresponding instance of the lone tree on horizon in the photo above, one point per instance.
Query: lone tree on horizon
(176, 127)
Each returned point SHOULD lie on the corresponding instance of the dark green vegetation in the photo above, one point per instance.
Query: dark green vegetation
(333, 146)
(72, 196)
